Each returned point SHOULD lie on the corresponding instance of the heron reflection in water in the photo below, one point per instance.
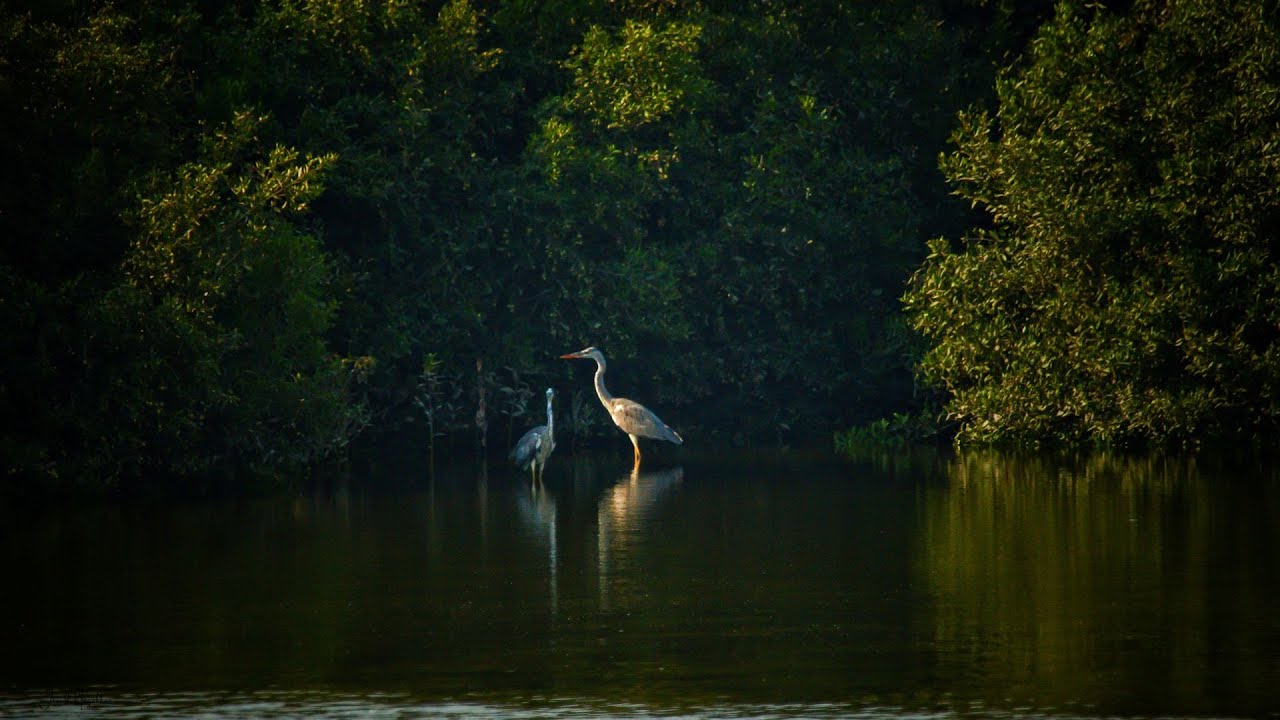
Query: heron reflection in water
(537, 510)
(532, 450)
(631, 417)
(623, 513)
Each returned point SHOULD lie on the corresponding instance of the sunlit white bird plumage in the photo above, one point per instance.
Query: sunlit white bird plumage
(631, 417)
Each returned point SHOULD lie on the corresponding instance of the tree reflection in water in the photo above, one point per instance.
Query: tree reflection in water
(1054, 578)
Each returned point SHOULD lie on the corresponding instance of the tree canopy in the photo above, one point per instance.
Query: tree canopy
(239, 236)
(1126, 287)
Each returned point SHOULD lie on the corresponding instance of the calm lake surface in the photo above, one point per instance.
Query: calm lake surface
(744, 584)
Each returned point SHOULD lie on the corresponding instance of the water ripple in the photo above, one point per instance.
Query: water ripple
(276, 705)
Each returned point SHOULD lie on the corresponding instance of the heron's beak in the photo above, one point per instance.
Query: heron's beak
(570, 356)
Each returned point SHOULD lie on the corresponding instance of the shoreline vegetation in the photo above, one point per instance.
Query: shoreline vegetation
(241, 237)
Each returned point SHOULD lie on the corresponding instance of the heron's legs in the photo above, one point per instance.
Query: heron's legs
(635, 443)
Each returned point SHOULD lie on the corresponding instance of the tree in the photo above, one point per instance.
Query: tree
(238, 297)
(1128, 287)
(738, 195)
(229, 212)
(164, 302)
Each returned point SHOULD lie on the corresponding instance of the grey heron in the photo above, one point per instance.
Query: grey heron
(631, 417)
(532, 451)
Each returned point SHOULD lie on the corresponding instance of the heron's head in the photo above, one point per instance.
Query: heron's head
(550, 394)
(590, 352)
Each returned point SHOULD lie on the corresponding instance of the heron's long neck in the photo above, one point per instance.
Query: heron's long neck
(605, 398)
(551, 421)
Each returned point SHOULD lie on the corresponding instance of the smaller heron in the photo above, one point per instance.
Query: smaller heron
(631, 417)
(532, 451)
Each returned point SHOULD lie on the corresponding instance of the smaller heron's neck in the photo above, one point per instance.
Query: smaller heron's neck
(551, 421)
(605, 398)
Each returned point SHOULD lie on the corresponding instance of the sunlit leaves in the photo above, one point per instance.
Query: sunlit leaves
(199, 234)
(1128, 291)
(234, 282)
(606, 152)
(648, 73)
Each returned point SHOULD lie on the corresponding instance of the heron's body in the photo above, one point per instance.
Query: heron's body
(532, 450)
(632, 418)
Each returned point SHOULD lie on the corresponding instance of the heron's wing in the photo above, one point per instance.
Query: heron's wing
(528, 445)
(636, 419)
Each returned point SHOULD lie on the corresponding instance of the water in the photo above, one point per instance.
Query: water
(755, 585)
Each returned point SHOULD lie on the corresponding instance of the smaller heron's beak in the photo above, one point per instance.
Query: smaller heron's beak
(570, 356)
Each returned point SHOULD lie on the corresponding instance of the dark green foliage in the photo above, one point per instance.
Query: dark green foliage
(240, 289)
(242, 231)
(742, 218)
(163, 308)
(899, 431)
(1128, 289)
